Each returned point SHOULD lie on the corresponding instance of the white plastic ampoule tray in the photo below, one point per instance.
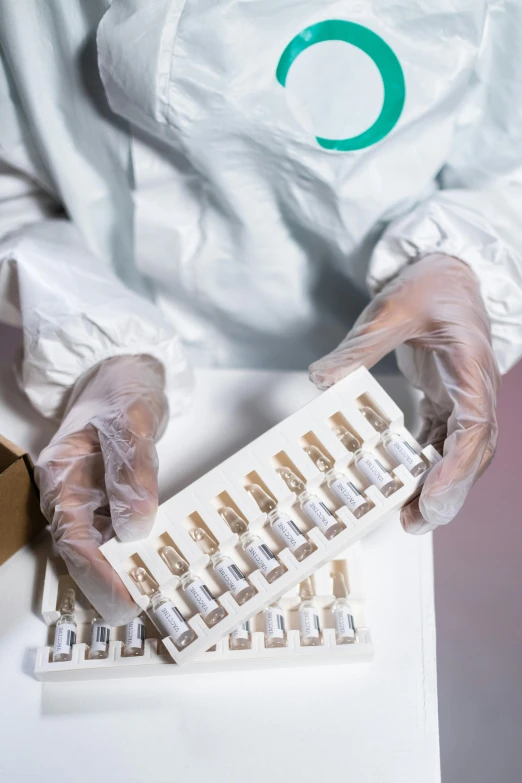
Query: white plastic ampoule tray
(157, 662)
(198, 506)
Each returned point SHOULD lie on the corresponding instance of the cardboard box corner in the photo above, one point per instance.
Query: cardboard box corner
(20, 517)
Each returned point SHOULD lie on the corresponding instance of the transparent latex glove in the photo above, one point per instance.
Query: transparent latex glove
(99, 473)
(433, 314)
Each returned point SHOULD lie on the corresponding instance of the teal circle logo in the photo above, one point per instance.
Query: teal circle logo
(382, 55)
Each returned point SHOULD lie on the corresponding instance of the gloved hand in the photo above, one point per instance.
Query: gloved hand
(99, 473)
(433, 314)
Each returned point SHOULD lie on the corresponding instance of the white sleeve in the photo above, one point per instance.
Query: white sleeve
(75, 313)
(137, 86)
(477, 215)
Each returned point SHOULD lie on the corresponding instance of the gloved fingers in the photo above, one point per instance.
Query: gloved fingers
(491, 448)
(434, 432)
(472, 383)
(412, 307)
(382, 327)
(412, 520)
(103, 458)
(131, 469)
(449, 481)
(434, 314)
(77, 539)
(70, 474)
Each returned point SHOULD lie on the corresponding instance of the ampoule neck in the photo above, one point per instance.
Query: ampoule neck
(157, 598)
(306, 592)
(187, 577)
(274, 514)
(305, 496)
(332, 475)
(389, 435)
(68, 602)
(247, 537)
(340, 588)
(349, 441)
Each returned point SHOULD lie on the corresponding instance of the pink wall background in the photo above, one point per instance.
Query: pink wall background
(478, 589)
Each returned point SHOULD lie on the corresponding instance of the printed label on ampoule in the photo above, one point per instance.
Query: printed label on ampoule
(231, 575)
(135, 633)
(347, 493)
(241, 631)
(274, 623)
(288, 532)
(64, 638)
(320, 514)
(404, 454)
(262, 556)
(309, 622)
(201, 597)
(344, 625)
(372, 469)
(169, 620)
(100, 636)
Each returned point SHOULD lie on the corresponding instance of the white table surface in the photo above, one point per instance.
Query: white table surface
(373, 723)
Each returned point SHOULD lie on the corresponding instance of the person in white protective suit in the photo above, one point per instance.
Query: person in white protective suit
(207, 182)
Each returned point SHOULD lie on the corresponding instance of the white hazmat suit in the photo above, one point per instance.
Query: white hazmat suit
(230, 172)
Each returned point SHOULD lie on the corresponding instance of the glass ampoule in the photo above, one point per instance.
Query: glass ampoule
(241, 637)
(282, 524)
(135, 635)
(224, 567)
(373, 419)
(369, 466)
(309, 625)
(342, 612)
(396, 446)
(259, 553)
(403, 453)
(372, 469)
(194, 587)
(65, 633)
(314, 508)
(99, 638)
(349, 441)
(164, 614)
(343, 489)
(174, 562)
(275, 630)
